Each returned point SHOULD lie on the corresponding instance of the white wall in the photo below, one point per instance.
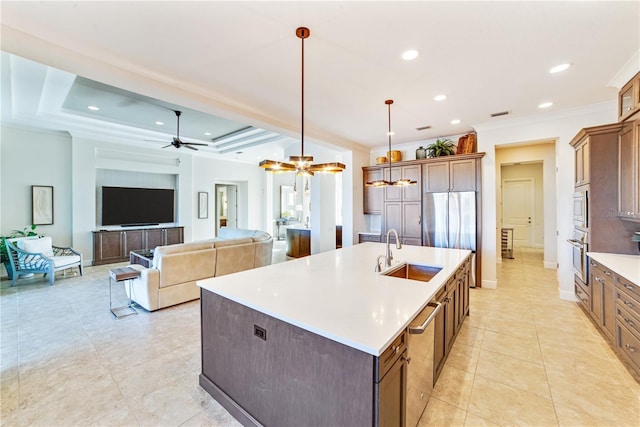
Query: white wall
(561, 127)
(35, 158)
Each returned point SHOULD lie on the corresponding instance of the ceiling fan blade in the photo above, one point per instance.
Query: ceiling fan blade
(167, 145)
(194, 143)
(189, 147)
(154, 140)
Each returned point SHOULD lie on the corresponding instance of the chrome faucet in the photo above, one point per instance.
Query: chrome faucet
(388, 255)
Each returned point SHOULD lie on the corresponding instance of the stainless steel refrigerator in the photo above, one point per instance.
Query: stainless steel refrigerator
(450, 222)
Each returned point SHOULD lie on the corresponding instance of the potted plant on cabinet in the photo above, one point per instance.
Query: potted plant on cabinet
(442, 147)
(4, 255)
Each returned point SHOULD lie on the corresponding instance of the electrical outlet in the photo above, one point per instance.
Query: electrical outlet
(260, 332)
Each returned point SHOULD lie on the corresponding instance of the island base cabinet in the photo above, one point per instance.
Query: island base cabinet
(267, 372)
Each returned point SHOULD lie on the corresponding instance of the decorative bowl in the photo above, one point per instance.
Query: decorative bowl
(396, 155)
(380, 160)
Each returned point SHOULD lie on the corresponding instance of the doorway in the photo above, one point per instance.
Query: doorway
(518, 209)
(226, 206)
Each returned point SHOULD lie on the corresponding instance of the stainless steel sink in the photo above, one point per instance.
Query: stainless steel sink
(420, 272)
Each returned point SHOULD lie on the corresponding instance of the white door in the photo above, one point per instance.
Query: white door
(518, 209)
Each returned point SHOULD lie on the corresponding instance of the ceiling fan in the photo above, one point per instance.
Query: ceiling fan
(177, 142)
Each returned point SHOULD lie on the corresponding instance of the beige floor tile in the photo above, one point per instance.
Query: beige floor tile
(516, 328)
(470, 335)
(441, 414)
(473, 420)
(506, 405)
(576, 390)
(526, 349)
(525, 376)
(463, 357)
(172, 404)
(454, 387)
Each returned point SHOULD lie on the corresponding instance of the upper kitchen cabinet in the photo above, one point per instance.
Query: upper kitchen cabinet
(409, 193)
(593, 142)
(373, 196)
(582, 163)
(629, 171)
(629, 99)
(449, 175)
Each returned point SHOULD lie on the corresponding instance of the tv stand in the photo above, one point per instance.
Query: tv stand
(111, 246)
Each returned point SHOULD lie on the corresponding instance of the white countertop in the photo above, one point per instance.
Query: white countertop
(338, 295)
(627, 266)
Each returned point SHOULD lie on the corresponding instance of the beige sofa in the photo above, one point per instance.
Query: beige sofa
(172, 277)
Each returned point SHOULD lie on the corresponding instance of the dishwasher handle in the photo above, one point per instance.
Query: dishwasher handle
(420, 329)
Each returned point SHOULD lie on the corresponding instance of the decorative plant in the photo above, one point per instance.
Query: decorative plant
(442, 147)
(25, 232)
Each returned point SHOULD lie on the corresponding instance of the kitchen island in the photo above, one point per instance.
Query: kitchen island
(308, 341)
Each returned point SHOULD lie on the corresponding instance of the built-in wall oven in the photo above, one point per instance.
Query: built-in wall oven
(581, 210)
(580, 244)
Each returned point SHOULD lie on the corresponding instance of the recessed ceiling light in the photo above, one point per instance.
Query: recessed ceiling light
(93, 108)
(207, 133)
(159, 123)
(440, 97)
(408, 55)
(545, 105)
(455, 121)
(559, 68)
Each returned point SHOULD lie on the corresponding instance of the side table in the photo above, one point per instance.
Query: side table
(121, 275)
(143, 257)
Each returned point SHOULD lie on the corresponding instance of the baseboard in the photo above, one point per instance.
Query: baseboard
(489, 284)
(551, 264)
(227, 403)
(568, 296)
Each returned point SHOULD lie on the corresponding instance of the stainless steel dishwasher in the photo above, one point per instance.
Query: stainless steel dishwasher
(420, 362)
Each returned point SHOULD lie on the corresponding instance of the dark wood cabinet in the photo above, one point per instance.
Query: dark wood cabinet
(298, 242)
(629, 99)
(629, 171)
(392, 394)
(373, 196)
(451, 175)
(582, 163)
(403, 205)
(114, 246)
(602, 282)
(439, 351)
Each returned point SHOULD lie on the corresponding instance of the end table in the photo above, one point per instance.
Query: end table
(121, 275)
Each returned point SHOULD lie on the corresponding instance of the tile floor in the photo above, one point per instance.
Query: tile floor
(523, 357)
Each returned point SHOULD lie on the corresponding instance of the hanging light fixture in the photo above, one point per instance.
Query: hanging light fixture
(403, 182)
(301, 165)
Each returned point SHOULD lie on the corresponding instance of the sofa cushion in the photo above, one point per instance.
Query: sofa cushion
(235, 258)
(187, 267)
(42, 245)
(61, 261)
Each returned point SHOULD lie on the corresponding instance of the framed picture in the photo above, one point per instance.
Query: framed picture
(203, 204)
(41, 204)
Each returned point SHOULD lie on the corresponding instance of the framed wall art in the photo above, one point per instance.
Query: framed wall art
(41, 204)
(203, 205)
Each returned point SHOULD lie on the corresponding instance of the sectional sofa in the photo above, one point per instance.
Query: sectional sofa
(172, 277)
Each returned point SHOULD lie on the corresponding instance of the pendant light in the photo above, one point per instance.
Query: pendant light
(403, 182)
(301, 165)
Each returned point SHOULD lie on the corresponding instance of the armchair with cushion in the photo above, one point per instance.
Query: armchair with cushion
(39, 255)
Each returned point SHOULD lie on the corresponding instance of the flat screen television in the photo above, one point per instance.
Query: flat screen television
(128, 206)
